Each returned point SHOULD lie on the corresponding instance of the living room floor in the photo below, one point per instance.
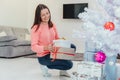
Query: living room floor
(23, 68)
(27, 69)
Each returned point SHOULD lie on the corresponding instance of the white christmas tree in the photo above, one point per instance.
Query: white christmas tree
(98, 29)
(104, 32)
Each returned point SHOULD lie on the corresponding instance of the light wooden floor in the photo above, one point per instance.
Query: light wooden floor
(29, 69)
(26, 69)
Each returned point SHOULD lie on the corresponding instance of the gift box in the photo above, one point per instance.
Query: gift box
(67, 54)
(63, 53)
(62, 43)
(89, 70)
(78, 57)
(118, 70)
(89, 56)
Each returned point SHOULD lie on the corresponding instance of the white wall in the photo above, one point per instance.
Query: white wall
(21, 14)
(13, 13)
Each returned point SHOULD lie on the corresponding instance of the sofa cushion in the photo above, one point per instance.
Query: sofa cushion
(15, 43)
(7, 38)
(7, 30)
(21, 43)
(27, 37)
(20, 32)
(3, 33)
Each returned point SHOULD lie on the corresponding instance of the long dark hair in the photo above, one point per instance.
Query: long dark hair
(37, 19)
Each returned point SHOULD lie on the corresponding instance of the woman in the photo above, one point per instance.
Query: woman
(43, 32)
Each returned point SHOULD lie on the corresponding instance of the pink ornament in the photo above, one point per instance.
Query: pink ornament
(100, 57)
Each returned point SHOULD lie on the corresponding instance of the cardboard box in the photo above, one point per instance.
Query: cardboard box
(67, 54)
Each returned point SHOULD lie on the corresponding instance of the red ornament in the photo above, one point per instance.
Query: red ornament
(109, 26)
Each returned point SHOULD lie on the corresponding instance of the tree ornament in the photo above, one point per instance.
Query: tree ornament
(100, 56)
(109, 26)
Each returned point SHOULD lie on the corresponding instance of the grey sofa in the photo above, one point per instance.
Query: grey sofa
(14, 42)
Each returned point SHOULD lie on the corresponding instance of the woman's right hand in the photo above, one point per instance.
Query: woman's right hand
(49, 48)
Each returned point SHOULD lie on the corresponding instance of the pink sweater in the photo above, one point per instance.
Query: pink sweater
(42, 37)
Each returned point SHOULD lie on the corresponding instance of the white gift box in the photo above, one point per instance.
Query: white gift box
(62, 43)
(87, 70)
(118, 71)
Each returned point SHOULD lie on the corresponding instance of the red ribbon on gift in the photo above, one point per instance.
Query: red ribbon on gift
(54, 54)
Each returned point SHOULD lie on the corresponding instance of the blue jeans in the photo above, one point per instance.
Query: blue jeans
(57, 64)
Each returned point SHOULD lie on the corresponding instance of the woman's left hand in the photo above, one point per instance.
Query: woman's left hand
(51, 48)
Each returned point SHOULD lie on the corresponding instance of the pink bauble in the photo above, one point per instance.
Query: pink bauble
(100, 56)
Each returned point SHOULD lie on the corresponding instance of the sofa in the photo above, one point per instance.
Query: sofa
(14, 42)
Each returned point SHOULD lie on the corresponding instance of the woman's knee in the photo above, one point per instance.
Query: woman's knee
(44, 60)
(64, 65)
(69, 65)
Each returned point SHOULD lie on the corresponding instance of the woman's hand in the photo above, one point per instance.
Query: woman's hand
(49, 48)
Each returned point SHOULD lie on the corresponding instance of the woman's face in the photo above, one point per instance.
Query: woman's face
(45, 15)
